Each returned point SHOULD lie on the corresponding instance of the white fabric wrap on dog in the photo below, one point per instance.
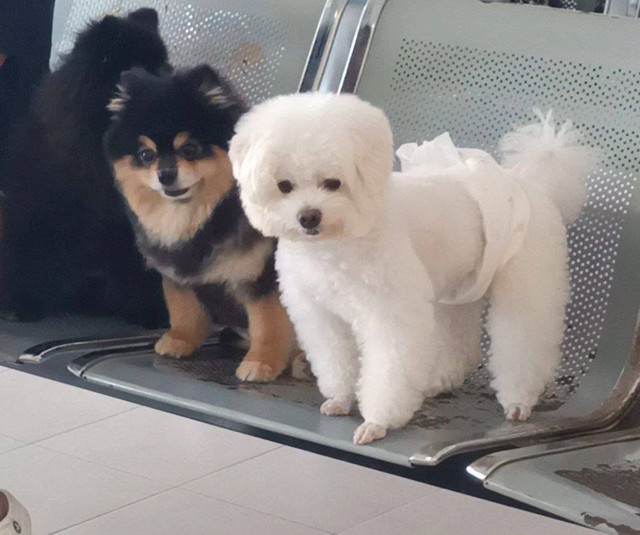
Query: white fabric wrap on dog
(503, 204)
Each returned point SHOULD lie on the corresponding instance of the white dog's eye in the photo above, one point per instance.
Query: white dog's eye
(285, 186)
(332, 184)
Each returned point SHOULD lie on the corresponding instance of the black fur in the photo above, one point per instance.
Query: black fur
(160, 107)
(66, 243)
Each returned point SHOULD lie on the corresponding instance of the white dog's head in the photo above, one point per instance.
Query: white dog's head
(313, 166)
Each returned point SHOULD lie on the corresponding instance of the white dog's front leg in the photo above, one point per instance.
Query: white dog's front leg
(331, 350)
(392, 342)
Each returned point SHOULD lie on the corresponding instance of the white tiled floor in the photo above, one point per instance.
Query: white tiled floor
(180, 511)
(318, 491)
(60, 491)
(158, 445)
(8, 443)
(35, 408)
(84, 463)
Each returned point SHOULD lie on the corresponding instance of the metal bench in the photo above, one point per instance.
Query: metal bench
(592, 480)
(476, 70)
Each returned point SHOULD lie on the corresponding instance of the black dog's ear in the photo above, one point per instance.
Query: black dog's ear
(130, 82)
(145, 17)
(108, 26)
(135, 78)
(119, 102)
(207, 81)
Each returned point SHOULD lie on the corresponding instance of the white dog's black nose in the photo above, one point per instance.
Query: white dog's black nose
(167, 175)
(310, 218)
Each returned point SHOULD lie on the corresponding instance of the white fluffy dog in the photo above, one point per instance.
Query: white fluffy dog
(384, 274)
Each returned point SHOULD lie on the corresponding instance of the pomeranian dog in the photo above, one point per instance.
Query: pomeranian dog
(168, 146)
(384, 274)
(67, 245)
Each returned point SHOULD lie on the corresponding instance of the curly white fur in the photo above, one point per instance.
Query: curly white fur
(554, 159)
(363, 288)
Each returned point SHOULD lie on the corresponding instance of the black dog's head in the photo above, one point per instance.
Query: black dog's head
(116, 44)
(169, 138)
(73, 98)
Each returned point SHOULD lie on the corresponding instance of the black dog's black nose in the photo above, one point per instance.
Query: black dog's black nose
(310, 218)
(167, 175)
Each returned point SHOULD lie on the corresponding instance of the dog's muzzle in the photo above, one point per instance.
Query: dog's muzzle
(309, 219)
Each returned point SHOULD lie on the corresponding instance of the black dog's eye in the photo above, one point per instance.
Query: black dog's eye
(190, 150)
(285, 186)
(332, 184)
(146, 155)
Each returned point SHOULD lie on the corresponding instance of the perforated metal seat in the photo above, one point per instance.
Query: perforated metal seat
(261, 47)
(593, 480)
(476, 70)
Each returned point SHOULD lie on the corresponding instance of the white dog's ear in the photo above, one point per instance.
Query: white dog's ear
(373, 151)
(248, 160)
(238, 149)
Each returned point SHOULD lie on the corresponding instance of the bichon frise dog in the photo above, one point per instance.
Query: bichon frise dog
(384, 274)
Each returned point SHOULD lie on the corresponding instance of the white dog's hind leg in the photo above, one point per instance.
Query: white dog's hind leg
(526, 318)
(459, 328)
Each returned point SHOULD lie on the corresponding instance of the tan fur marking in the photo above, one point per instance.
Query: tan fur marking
(190, 323)
(148, 143)
(272, 340)
(180, 140)
(236, 267)
(166, 221)
(116, 104)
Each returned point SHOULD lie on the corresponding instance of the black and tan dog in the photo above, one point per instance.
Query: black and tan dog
(168, 147)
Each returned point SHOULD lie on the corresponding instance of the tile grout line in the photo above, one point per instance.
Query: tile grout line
(95, 463)
(182, 487)
(169, 485)
(38, 440)
(39, 443)
(221, 469)
(437, 491)
(321, 530)
(62, 530)
(188, 492)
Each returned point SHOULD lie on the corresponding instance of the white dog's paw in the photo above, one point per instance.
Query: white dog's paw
(517, 412)
(368, 432)
(335, 407)
(172, 345)
(300, 367)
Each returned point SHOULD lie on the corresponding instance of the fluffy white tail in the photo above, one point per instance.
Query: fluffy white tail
(554, 159)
